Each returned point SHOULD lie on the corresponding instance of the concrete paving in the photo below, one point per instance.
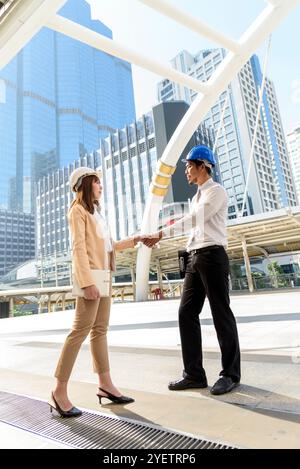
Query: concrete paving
(264, 412)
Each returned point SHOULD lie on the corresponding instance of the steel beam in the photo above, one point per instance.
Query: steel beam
(96, 40)
(21, 23)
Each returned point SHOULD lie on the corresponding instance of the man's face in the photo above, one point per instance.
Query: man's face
(192, 172)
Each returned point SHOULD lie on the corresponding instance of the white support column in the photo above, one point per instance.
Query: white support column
(247, 265)
(11, 307)
(160, 277)
(258, 32)
(23, 22)
(132, 271)
(40, 303)
(63, 302)
(49, 303)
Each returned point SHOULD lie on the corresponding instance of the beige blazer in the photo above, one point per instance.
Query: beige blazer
(88, 250)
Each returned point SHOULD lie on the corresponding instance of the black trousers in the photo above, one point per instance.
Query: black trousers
(207, 275)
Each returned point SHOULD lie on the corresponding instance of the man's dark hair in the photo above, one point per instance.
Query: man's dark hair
(200, 163)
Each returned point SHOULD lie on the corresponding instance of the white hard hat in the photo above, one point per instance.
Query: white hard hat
(78, 174)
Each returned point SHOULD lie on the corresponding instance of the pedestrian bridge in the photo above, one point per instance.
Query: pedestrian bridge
(144, 342)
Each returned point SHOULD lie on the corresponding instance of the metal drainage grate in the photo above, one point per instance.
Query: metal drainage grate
(93, 430)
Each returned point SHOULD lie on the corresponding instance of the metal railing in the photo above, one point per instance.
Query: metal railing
(267, 282)
(36, 300)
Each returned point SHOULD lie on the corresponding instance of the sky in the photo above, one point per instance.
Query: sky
(142, 29)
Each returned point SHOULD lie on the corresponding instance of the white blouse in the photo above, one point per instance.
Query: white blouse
(103, 230)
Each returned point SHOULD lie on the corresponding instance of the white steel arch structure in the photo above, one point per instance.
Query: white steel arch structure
(25, 18)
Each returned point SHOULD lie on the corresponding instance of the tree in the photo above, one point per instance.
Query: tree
(276, 274)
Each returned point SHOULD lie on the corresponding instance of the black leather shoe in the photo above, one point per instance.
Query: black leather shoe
(186, 383)
(114, 399)
(223, 385)
(73, 412)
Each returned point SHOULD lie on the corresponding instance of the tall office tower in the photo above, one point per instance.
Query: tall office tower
(61, 98)
(128, 159)
(271, 184)
(293, 142)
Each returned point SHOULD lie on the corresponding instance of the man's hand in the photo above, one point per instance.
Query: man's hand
(152, 239)
(91, 293)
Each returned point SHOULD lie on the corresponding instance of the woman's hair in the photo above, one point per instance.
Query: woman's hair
(84, 195)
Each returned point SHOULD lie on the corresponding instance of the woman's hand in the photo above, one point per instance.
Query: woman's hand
(137, 239)
(91, 293)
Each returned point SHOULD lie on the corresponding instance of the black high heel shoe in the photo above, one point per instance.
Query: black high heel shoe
(115, 399)
(74, 412)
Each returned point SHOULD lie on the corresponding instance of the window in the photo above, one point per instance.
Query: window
(239, 189)
(224, 166)
(237, 180)
(236, 171)
(226, 175)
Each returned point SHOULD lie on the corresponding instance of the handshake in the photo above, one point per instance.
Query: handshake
(148, 240)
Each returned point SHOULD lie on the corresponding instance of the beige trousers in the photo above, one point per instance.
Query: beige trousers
(91, 316)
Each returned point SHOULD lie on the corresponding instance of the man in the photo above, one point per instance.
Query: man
(206, 275)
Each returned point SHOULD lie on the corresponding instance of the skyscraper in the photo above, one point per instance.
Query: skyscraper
(293, 142)
(61, 98)
(270, 184)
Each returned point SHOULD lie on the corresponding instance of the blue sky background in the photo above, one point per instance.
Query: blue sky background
(143, 29)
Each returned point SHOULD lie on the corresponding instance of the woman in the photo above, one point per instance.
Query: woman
(92, 248)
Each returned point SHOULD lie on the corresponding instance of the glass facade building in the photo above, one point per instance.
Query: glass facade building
(61, 98)
(271, 184)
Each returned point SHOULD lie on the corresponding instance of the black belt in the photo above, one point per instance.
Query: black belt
(207, 248)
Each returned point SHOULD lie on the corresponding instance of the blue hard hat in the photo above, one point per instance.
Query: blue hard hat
(201, 153)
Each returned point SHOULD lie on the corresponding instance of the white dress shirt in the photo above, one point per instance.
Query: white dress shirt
(206, 221)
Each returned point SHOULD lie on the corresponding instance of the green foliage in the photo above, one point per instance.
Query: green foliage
(235, 271)
(275, 269)
(277, 275)
(17, 313)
